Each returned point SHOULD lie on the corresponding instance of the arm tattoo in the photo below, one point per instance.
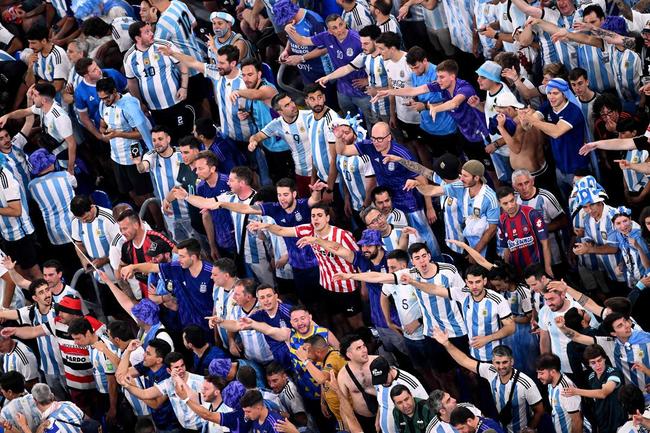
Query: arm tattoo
(582, 300)
(570, 333)
(628, 43)
(417, 168)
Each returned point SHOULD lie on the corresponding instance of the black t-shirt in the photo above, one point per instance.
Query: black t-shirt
(188, 180)
(608, 411)
(641, 142)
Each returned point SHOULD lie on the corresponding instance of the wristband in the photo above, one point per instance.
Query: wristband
(186, 399)
(496, 36)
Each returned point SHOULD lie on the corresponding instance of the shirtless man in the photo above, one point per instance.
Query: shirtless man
(364, 405)
(526, 144)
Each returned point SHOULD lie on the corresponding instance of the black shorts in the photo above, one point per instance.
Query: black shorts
(410, 131)
(441, 361)
(179, 119)
(129, 179)
(347, 304)
(476, 150)
(197, 90)
(22, 251)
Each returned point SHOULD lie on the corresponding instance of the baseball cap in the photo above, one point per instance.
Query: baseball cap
(447, 166)
(490, 70)
(507, 99)
(379, 369)
(646, 27)
(475, 168)
(370, 238)
(156, 248)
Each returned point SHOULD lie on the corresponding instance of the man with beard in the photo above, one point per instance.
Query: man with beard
(163, 164)
(289, 211)
(79, 377)
(341, 299)
(41, 311)
(293, 127)
(371, 258)
(255, 101)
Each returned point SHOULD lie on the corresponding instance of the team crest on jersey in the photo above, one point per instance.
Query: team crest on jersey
(450, 200)
(302, 129)
(298, 217)
(146, 61)
(379, 69)
(349, 52)
(98, 232)
(526, 228)
(484, 312)
(635, 159)
(170, 286)
(391, 166)
(203, 287)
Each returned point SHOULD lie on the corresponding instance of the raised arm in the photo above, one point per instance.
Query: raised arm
(571, 334)
(462, 359)
(285, 232)
(582, 299)
(330, 246)
(478, 258)
(531, 11)
(432, 289)
(368, 277)
(413, 166)
(122, 298)
(278, 334)
(18, 279)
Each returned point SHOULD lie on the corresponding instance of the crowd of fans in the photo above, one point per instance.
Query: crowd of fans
(316, 216)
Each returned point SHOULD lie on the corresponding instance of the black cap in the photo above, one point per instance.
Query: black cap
(158, 247)
(447, 166)
(379, 369)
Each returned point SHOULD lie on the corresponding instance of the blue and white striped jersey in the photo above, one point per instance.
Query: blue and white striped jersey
(254, 252)
(255, 345)
(628, 68)
(223, 305)
(566, 51)
(322, 139)
(279, 247)
(634, 180)
(386, 405)
(510, 18)
(354, 170)
(97, 235)
(13, 228)
(397, 218)
(390, 25)
(520, 300)
(482, 317)
(139, 406)
(6, 36)
(453, 216)
(73, 78)
(377, 77)
(158, 76)
(436, 425)
(358, 17)
(525, 395)
(562, 406)
(21, 359)
(125, 115)
(186, 416)
(54, 66)
(24, 405)
(439, 312)
(485, 13)
(120, 33)
(435, 19)
(102, 367)
(51, 362)
(211, 427)
(6, 57)
(238, 130)
(55, 122)
(65, 417)
(598, 64)
(625, 354)
(175, 25)
(559, 341)
(164, 174)
(53, 192)
(391, 242)
(296, 135)
(602, 232)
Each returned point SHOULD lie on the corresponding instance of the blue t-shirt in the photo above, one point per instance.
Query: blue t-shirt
(342, 53)
(281, 319)
(236, 421)
(193, 294)
(201, 364)
(298, 258)
(224, 232)
(85, 95)
(268, 426)
(164, 416)
(310, 25)
(565, 147)
(393, 175)
(444, 124)
(364, 264)
(227, 153)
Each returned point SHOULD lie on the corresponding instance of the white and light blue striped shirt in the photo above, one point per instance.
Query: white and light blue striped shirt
(453, 216)
(354, 170)
(391, 242)
(255, 345)
(628, 68)
(125, 115)
(386, 405)
(186, 416)
(602, 232)
(625, 355)
(175, 25)
(377, 77)
(53, 192)
(24, 405)
(254, 251)
(296, 135)
(13, 228)
(223, 305)
(54, 66)
(51, 362)
(439, 312)
(566, 51)
(597, 63)
(120, 33)
(435, 19)
(66, 417)
(634, 180)
(19, 165)
(97, 235)
(231, 125)
(562, 406)
(483, 317)
(358, 17)
(21, 359)
(321, 138)
(164, 171)
(159, 77)
(101, 365)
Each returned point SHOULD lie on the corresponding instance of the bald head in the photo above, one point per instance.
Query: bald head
(380, 129)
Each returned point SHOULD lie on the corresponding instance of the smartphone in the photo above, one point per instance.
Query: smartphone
(135, 150)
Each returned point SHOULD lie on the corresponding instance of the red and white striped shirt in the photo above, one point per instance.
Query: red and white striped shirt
(76, 359)
(328, 263)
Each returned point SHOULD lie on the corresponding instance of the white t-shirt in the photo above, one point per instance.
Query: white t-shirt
(407, 306)
(399, 74)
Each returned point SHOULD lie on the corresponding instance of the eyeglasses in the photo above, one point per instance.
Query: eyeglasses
(376, 219)
(379, 139)
(604, 113)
